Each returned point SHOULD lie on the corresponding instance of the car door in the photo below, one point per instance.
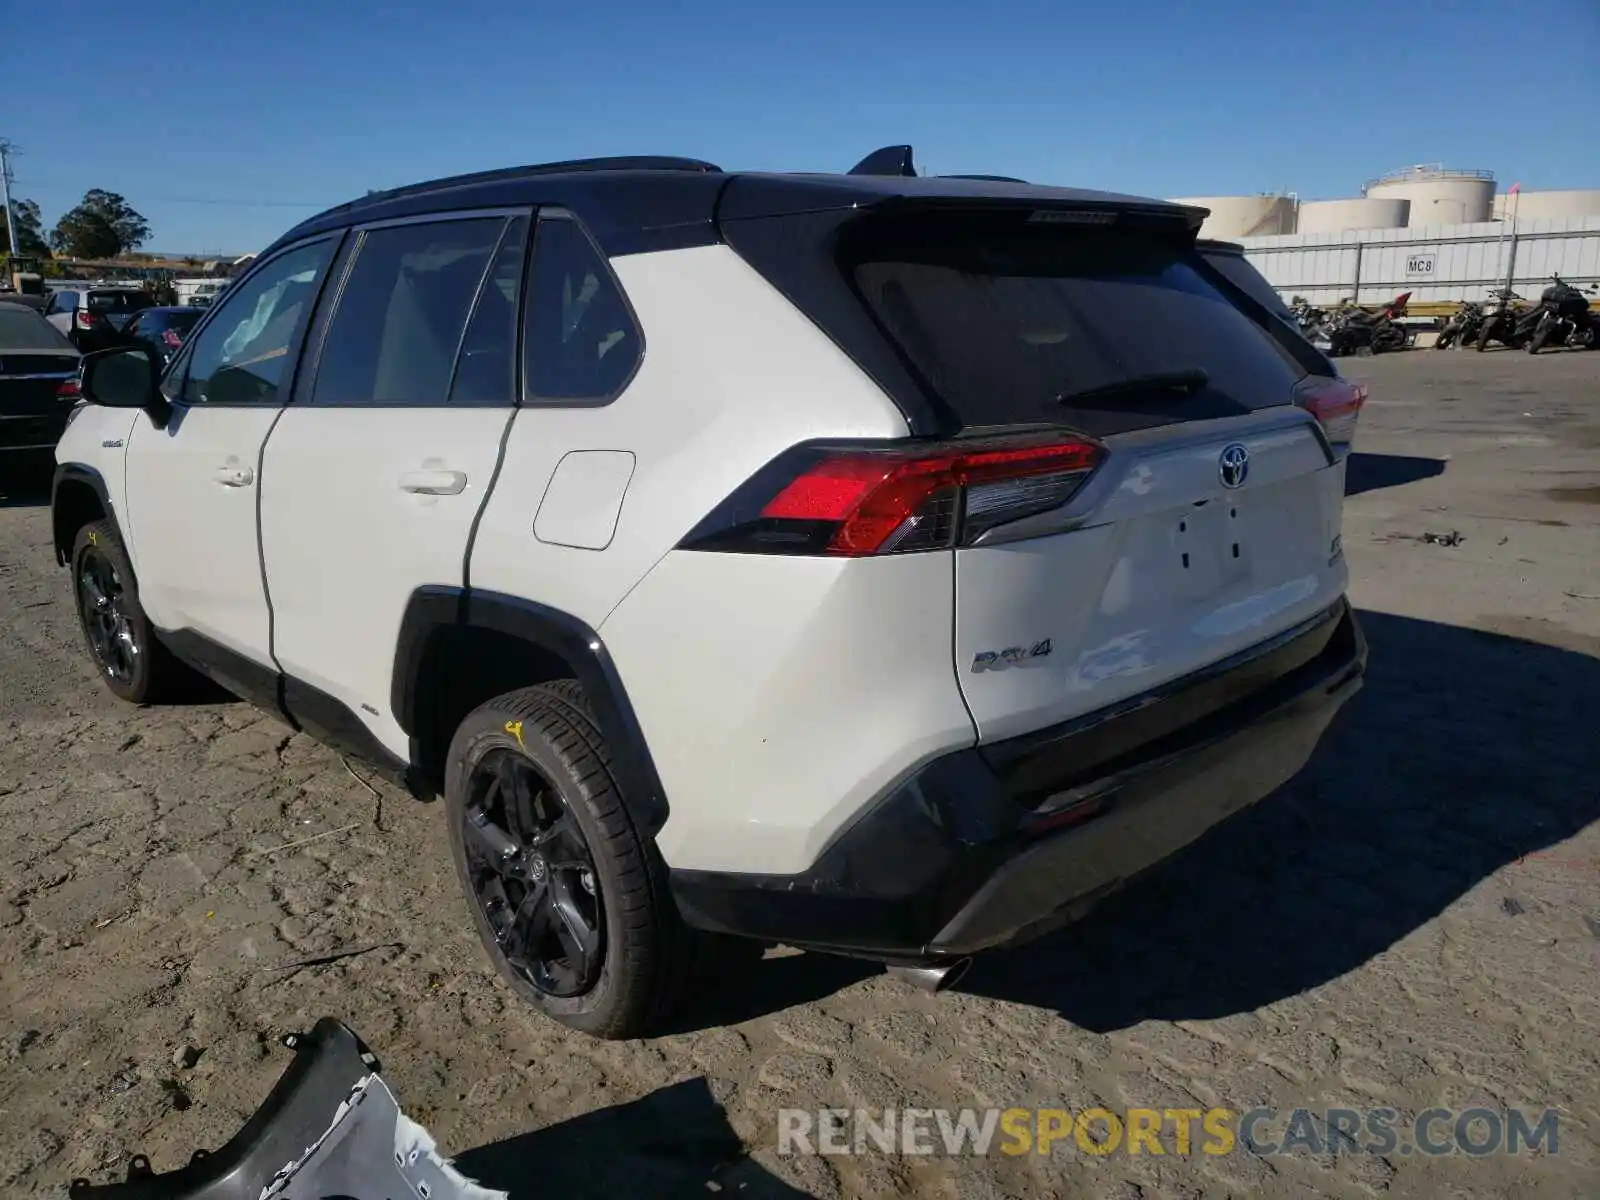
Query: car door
(192, 482)
(375, 474)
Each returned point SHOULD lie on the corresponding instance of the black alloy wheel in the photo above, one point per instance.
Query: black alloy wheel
(103, 604)
(533, 875)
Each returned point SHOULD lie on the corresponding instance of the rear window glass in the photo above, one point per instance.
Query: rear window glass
(1006, 319)
(24, 329)
(1236, 269)
(117, 301)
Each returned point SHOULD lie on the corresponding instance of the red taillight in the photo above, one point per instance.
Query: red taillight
(171, 338)
(857, 502)
(70, 389)
(1335, 403)
(86, 319)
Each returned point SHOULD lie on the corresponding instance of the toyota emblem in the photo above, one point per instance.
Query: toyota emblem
(1233, 465)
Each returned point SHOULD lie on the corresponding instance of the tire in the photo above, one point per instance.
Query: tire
(535, 915)
(131, 660)
(1484, 335)
(1540, 337)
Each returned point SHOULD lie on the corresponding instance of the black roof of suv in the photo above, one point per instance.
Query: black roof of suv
(656, 203)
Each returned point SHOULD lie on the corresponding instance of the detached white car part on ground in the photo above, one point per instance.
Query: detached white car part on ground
(331, 1127)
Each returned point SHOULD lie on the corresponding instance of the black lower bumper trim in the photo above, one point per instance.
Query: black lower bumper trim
(961, 856)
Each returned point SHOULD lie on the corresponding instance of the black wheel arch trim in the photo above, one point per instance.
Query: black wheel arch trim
(437, 607)
(76, 473)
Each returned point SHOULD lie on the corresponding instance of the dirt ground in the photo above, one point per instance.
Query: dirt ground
(1413, 922)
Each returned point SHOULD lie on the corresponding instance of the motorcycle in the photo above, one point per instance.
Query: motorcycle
(1463, 327)
(1511, 321)
(1565, 318)
(1312, 322)
(1356, 331)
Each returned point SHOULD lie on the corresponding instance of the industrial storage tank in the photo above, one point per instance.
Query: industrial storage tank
(1439, 195)
(1537, 206)
(1244, 216)
(1336, 216)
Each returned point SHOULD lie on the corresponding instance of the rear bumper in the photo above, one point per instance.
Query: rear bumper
(993, 845)
(30, 431)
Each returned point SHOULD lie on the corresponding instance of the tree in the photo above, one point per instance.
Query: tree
(84, 234)
(30, 230)
(102, 226)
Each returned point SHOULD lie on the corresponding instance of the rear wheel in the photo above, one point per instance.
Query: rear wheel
(132, 661)
(570, 903)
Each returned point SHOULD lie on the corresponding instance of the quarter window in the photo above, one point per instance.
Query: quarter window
(583, 344)
(239, 357)
(394, 336)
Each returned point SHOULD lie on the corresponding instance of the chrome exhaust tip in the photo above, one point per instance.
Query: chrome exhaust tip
(931, 977)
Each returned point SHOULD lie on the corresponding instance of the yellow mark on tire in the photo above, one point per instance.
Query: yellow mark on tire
(94, 539)
(514, 728)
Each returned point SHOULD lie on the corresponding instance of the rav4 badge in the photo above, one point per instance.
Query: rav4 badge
(1011, 656)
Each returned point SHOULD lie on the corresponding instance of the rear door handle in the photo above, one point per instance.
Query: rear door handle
(235, 476)
(433, 483)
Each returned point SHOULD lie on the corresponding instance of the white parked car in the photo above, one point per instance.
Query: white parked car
(876, 564)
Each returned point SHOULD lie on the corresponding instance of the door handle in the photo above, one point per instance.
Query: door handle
(235, 476)
(433, 483)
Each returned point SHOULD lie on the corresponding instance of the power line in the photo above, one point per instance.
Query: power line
(47, 185)
(237, 203)
(228, 202)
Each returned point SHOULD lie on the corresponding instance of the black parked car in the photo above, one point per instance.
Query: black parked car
(161, 330)
(38, 388)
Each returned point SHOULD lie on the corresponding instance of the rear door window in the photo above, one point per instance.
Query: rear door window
(401, 313)
(486, 368)
(1006, 319)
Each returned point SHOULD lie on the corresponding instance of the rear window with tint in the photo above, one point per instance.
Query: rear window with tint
(1236, 269)
(1005, 319)
(120, 302)
(24, 329)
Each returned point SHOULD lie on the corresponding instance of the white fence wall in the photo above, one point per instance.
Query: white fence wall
(1438, 263)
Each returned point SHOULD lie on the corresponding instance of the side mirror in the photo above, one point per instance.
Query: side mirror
(125, 377)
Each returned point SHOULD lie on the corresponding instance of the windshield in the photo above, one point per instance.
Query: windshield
(1003, 318)
(23, 329)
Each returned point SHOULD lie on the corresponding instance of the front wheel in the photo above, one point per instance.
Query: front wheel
(1541, 336)
(132, 661)
(569, 901)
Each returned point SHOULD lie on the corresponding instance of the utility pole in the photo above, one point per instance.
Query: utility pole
(5, 194)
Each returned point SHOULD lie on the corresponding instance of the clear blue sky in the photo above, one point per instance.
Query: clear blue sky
(301, 105)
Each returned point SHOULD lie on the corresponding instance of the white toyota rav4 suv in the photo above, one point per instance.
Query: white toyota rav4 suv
(877, 564)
